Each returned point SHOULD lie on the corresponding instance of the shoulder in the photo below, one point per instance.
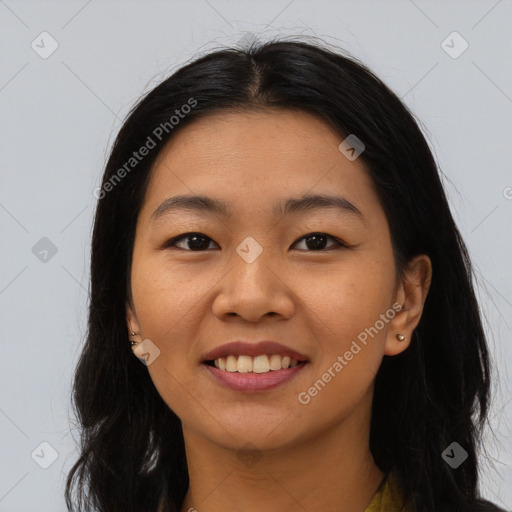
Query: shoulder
(486, 506)
(480, 505)
(389, 498)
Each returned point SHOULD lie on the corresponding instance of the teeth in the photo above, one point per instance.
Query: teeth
(231, 364)
(244, 364)
(258, 364)
(275, 362)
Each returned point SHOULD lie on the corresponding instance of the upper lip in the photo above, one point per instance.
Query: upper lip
(239, 348)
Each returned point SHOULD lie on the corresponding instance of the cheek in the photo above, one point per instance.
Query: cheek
(348, 303)
(163, 310)
(351, 296)
(350, 347)
(165, 297)
(167, 311)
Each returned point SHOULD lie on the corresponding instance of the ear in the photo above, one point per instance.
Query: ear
(131, 318)
(411, 293)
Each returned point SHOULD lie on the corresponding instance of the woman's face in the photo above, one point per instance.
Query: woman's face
(254, 274)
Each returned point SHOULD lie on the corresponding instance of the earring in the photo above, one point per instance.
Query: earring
(400, 337)
(133, 342)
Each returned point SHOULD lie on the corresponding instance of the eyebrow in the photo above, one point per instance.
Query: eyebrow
(210, 206)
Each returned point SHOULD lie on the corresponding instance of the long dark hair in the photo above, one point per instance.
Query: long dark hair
(132, 455)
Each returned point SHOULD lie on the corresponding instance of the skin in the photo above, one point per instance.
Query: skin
(312, 457)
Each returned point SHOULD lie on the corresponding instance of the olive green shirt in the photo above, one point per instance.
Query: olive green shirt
(387, 498)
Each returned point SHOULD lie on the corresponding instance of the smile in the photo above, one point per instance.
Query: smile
(258, 364)
(257, 378)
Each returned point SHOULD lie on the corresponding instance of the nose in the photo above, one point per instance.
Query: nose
(253, 289)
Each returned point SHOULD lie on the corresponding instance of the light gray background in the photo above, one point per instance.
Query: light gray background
(59, 116)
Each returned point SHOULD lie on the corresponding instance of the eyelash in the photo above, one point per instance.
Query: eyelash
(171, 243)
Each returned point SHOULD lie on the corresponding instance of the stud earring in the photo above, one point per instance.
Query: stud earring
(400, 337)
(133, 342)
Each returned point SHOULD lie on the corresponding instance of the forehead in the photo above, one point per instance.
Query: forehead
(264, 134)
(254, 158)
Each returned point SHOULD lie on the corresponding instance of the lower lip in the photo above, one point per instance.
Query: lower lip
(253, 382)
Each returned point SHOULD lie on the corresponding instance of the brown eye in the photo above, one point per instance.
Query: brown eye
(197, 241)
(316, 241)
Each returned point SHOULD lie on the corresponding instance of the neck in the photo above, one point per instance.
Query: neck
(330, 470)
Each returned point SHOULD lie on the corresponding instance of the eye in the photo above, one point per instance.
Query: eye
(199, 242)
(317, 241)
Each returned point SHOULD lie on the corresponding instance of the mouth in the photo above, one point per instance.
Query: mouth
(236, 374)
(252, 357)
(251, 367)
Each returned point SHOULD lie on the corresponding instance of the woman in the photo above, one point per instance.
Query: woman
(278, 373)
